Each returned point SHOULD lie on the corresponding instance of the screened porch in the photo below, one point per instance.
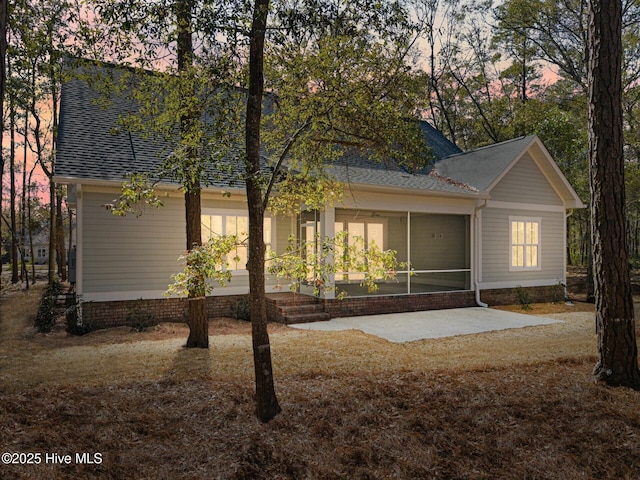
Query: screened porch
(433, 250)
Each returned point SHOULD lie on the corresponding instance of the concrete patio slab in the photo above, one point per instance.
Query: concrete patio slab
(412, 326)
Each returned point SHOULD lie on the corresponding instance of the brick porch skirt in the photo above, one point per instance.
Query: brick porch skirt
(122, 313)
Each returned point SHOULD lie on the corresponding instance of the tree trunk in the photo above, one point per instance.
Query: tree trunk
(12, 188)
(198, 330)
(33, 263)
(52, 228)
(14, 240)
(3, 83)
(590, 287)
(197, 312)
(23, 200)
(617, 351)
(267, 406)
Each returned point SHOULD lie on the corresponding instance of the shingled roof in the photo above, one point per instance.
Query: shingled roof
(93, 148)
(482, 166)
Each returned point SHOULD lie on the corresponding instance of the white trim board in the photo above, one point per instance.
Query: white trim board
(159, 294)
(520, 283)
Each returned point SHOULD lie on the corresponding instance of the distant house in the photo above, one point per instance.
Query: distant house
(473, 226)
(40, 253)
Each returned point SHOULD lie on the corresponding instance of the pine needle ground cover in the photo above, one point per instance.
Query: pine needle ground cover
(509, 404)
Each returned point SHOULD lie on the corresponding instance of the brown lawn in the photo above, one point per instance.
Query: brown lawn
(513, 404)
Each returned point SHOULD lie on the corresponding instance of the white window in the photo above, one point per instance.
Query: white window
(525, 243)
(223, 224)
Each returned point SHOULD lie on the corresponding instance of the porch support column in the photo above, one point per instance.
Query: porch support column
(328, 230)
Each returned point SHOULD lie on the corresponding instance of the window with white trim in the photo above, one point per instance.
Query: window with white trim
(234, 224)
(525, 243)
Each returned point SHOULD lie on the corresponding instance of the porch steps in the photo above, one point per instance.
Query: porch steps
(67, 297)
(289, 308)
(304, 313)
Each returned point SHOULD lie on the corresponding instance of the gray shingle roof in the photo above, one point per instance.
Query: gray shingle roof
(91, 147)
(368, 172)
(482, 166)
(440, 145)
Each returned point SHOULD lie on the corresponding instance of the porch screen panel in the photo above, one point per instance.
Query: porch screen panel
(239, 226)
(365, 230)
(440, 252)
(375, 235)
(308, 229)
(356, 240)
(338, 254)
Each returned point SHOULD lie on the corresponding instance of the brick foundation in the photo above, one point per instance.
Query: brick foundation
(508, 296)
(121, 313)
(356, 306)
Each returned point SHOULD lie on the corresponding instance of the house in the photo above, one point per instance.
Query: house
(473, 227)
(40, 242)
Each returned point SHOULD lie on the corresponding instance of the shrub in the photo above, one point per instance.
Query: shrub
(141, 318)
(46, 315)
(557, 294)
(76, 325)
(523, 298)
(241, 310)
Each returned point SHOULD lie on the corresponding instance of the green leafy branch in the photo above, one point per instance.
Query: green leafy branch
(202, 263)
(137, 192)
(316, 263)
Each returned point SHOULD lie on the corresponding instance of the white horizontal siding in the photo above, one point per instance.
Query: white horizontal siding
(224, 204)
(140, 254)
(496, 246)
(130, 253)
(525, 183)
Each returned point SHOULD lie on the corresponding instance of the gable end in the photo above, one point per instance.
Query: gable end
(525, 183)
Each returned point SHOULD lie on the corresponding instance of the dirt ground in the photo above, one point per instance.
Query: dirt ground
(511, 404)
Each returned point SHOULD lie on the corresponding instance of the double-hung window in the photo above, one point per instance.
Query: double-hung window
(225, 224)
(525, 243)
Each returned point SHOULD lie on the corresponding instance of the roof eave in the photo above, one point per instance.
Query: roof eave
(115, 183)
(572, 201)
(417, 191)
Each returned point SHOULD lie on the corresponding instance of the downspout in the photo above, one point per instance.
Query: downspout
(477, 256)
